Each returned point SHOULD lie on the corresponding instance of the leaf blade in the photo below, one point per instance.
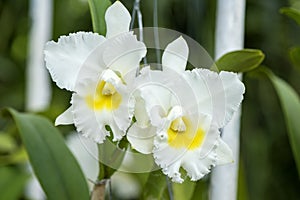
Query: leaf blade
(290, 104)
(98, 9)
(241, 60)
(292, 13)
(55, 167)
(12, 183)
(156, 186)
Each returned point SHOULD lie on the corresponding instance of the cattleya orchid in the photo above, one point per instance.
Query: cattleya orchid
(183, 113)
(178, 113)
(97, 70)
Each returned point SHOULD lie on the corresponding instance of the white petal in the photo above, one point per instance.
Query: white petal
(87, 122)
(140, 112)
(65, 57)
(224, 153)
(198, 167)
(123, 54)
(175, 56)
(117, 19)
(234, 90)
(65, 118)
(206, 86)
(173, 171)
(196, 161)
(141, 139)
(218, 95)
(91, 123)
(122, 116)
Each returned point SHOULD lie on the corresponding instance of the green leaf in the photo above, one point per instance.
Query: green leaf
(52, 162)
(291, 12)
(240, 61)
(156, 186)
(98, 8)
(290, 104)
(295, 57)
(201, 190)
(12, 183)
(183, 190)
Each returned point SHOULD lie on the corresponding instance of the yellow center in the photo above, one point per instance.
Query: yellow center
(182, 135)
(106, 97)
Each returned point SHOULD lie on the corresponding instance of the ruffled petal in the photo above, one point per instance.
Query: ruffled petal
(218, 95)
(65, 57)
(102, 102)
(141, 139)
(224, 153)
(175, 56)
(123, 54)
(117, 19)
(197, 167)
(91, 124)
(234, 90)
(196, 155)
(65, 118)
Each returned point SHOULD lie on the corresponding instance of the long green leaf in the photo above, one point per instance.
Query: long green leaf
(201, 190)
(290, 104)
(98, 8)
(291, 12)
(156, 187)
(52, 162)
(12, 183)
(240, 61)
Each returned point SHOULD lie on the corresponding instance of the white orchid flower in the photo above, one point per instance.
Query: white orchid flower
(97, 70)
(185, 110)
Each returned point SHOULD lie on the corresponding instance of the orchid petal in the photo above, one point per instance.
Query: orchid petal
(234, 90)
(197, 168)
(117, 19)
(224, 153)
(65, 118)
(218, 95)
(65, 57)
(175, 56)
(123, 54)
(141, 139)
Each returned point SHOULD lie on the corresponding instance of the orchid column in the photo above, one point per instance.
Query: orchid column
(229, 37)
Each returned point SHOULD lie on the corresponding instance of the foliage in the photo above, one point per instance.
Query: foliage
(290, 104)
(98, 8)
(53, 163)
(292, 12)
(240, 61)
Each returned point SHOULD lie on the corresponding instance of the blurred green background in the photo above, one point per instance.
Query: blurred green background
(267, 164)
